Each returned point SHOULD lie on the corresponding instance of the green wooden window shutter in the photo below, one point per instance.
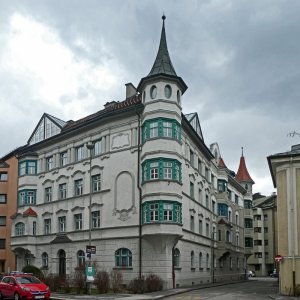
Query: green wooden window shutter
(160, 169)
(161, 211)
(147, 213)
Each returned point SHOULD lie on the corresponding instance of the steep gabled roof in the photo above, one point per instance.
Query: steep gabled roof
(194, 121)
(242, 173)
(47, 127)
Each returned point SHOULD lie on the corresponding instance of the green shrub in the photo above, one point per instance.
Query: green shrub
(35, 271)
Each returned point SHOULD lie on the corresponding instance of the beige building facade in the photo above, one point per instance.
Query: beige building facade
(285, 171)
(264, 241)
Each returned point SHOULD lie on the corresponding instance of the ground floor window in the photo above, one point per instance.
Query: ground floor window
(123, 257)
(176, 258)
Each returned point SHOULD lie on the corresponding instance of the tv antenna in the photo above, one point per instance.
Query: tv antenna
(293, 134)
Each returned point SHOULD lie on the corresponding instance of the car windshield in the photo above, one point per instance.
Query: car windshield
(27, 279)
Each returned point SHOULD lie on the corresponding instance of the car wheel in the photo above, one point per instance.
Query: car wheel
(1, 297)
(17, 296)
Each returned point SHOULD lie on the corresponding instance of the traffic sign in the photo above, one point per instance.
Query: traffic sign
(278, 258)
(90, 249)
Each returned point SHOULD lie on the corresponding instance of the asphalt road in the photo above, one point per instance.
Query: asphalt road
(253, 289)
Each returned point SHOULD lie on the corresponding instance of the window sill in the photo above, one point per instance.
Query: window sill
(122, 268)
(201, 269)
(193, 269)
(177, 268)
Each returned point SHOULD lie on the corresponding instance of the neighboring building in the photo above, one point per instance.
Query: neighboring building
(244, 178)
(264, 236)
(285, 171)
(8, 207)
(137, 181)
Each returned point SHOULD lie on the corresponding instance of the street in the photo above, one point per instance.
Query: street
(256, 289)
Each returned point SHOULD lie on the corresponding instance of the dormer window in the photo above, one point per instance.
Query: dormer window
(168, 91)
(153, 92)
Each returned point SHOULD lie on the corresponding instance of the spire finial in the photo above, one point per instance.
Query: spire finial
(242, 151)
(163, 17)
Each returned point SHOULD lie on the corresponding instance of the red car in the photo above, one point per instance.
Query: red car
(23, 286)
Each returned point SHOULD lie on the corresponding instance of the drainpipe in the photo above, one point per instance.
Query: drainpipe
(140, 194)
(173, 266)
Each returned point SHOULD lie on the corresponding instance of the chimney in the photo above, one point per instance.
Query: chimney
(109, 104)
(130, 90)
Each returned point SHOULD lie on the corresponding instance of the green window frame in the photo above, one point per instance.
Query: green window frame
(161, 211)
(247, 204)
(26, 197)
(161, 128)
(161, 169)
(223, 210)
(27, 167)
(176, 258)
(248, 223)
(123, 258)
(222, 185)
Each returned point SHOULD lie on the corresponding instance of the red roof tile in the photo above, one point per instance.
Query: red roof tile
(29, 213)
(242, 173)
(221, 163)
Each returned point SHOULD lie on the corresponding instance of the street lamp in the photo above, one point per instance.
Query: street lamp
(90, 146)
(213, 254)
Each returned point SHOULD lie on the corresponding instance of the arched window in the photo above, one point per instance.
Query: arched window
(61, 262)
(20, 229)
(45, 260)
(207, 261)
(176, 258)
(80, 259)
(192, 259)
(200, 260)
(123, 257)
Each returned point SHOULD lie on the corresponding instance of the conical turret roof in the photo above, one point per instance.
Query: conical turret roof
(163, 66)
(242, 173)
(163, 63)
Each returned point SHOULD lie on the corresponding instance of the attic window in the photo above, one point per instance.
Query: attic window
(168, 91)
(153, 91)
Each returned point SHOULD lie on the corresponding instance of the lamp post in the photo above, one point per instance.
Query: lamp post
(90, 146)
(213, 255)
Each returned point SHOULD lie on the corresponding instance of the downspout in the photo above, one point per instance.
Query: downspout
(140, 194)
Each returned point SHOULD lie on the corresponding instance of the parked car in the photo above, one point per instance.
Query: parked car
(23, 286)
(274, 274)
(251, 273)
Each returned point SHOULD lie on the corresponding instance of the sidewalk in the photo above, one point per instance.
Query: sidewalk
(155, 295)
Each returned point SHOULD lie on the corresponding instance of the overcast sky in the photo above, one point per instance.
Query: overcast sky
(240, 60)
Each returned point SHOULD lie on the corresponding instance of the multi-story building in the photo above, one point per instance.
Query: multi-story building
(8, 207)
(137, 181)
(264, 236)
(285, 171)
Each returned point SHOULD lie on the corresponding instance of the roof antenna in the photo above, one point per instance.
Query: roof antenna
(242, 151)
(292, 134)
